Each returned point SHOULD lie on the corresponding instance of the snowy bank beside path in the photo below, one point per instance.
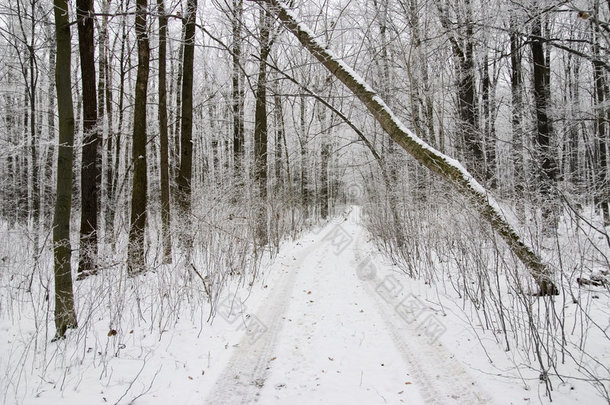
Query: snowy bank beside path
(330, 322)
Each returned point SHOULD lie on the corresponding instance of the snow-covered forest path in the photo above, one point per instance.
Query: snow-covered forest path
(334, 330)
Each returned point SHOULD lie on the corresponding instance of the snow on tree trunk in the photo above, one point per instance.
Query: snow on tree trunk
(450, 169)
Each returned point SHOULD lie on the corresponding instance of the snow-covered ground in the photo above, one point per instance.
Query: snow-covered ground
(329, 321)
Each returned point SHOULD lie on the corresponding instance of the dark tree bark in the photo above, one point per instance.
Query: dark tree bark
(602, 92)
(305, 195)
(163, 135)
(34, 139)
(237, 91)
(136, 256)
(324, 159)
(65, 316)
(468, 126)
(23, 185)
(178, 119)
(90, 169)
(48, 189)
(489, 131)
(185, 174)
(517, 111)
(260, 128)
(576, 130)
(279, 137)
(547, 165)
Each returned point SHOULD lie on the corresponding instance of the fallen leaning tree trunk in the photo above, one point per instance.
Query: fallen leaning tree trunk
(439, 163)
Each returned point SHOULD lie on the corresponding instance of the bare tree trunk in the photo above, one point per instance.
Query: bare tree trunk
(65, 317)
(305, 197)
(50, 154)
(113, 205)
(90, 169)
(34, 140)
(602, 92)
(30, 187)
(105, 111)
(390, 171)
(517, 115)
(237, 90)
(260, 129)
(279, 136)
(178, 119)
(136, 256)
(547, 170)
(9, 212)
(488, 107)
(437, 162)
(163, 135)
(24, 186)
(185, 174)
(468, 126)
(326, 133)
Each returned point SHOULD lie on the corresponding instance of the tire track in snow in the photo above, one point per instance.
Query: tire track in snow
(245, 374)
(440, 378)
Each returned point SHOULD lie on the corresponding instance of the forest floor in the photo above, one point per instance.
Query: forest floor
(330, 322)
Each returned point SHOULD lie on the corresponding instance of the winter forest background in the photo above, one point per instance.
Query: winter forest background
(156, 154)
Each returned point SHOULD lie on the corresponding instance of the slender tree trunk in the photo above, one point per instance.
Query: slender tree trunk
(178, 119)
(90, 169)
(136, 255)
(185, 174)
(468, 103)
(324, 160)
(114, 203)
(381, 7)
(487, 89)
(34, 192)
(468, 126)
(10, 189)
(547, 170)
(163, 135)
(390, 161)
(49, 191)
(602, 196)
(260, 129)
(437, 162)
(237, 92)
(65, 316)
(574, 132)
(517, 116)
(24, 187)
(104, 104)
(279, 137)
(214, 168)
(305, 197)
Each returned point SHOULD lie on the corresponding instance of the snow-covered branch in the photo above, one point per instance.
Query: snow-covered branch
(439, 163)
